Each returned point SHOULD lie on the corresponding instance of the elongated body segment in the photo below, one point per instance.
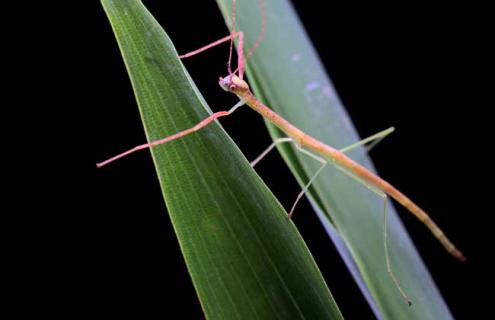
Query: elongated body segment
(236, 85)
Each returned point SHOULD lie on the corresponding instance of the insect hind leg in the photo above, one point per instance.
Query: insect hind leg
(374, 139)
(370, 141)
(387, 255)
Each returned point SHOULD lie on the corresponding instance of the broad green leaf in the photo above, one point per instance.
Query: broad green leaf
(286, 74)
(245, 257)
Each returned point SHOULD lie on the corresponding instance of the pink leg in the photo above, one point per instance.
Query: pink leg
(209, 46)
(240, 52)
(240, 56)
(177, 135)
(241, 59)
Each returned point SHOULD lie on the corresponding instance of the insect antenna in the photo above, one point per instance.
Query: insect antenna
(240, 51)
(233, 30)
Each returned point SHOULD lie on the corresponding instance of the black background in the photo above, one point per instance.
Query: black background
(416, 67)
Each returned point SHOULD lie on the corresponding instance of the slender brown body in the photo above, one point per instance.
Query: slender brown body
(238, 86)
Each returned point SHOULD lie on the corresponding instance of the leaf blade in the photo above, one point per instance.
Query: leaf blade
(288, 76)
(245, 257)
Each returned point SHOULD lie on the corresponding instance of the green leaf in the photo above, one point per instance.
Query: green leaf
(287, 75)
(245, 257)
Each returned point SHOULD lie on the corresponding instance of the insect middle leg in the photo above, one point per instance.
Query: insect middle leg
(372, 140)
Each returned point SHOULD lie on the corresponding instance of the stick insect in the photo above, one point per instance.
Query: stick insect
(234, 83)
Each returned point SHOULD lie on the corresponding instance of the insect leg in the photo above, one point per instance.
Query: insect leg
(387, 257)
(203, 123)
(211, 45)
(372, 140)
(270, 148)
(306, 187)
(384, 196)
(380, 193)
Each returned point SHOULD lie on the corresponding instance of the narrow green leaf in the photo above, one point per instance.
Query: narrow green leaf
(245, 257)
(287, 75)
